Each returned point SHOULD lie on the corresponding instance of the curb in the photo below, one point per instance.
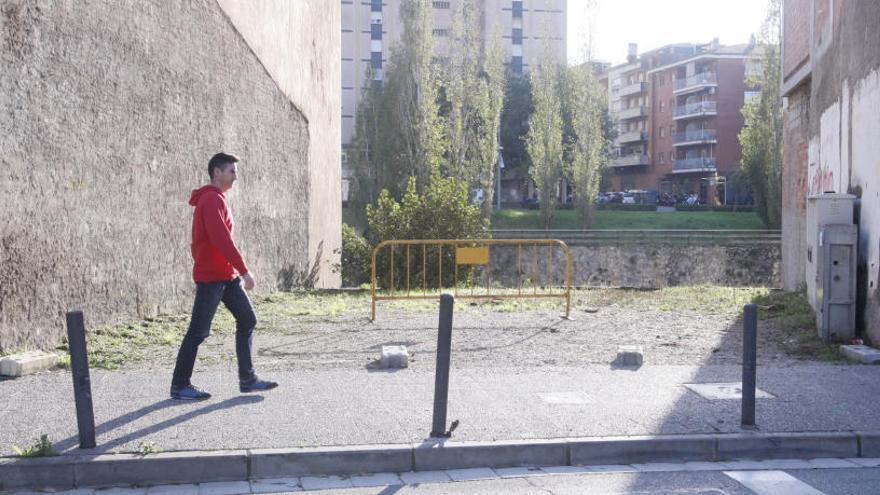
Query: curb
(73, 471)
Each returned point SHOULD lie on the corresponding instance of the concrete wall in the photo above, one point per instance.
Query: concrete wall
(299, 43)
(842, 122)
(110, 113)
(656, 266)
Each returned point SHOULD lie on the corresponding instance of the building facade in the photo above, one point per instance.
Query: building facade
(678, 112)
(831, 93)
(370, 28)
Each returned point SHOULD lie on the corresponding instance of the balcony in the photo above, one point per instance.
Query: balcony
(633, 89)
(696, 82)
(632, 113)
(631, 137)
(699, 109)
(630, 161)
(691, 165)
(702, 136)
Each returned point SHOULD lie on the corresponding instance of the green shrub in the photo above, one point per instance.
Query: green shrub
(442, 211)
(354, 258)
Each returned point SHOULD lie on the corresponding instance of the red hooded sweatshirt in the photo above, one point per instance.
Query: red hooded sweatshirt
(213, 250)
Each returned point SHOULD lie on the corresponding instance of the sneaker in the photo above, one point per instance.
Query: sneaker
(188, 392)
(256, 385)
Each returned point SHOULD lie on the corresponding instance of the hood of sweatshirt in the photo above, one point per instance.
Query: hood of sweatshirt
(198, 193)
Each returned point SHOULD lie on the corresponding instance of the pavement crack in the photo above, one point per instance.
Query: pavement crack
(541, 488)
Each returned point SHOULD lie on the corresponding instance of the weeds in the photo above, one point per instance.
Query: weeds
(42, 448)
(147, 448)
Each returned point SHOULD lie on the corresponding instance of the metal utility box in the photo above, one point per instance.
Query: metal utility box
(823, 209)
(836, 283)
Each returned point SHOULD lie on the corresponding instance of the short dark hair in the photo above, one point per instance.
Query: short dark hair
(221, 160)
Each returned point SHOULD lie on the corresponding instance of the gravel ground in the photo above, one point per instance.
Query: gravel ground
(483, 338)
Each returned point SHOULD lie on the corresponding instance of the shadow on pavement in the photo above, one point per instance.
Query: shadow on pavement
(71, 443)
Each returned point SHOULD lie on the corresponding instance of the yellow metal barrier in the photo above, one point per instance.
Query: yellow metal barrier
(469, 253)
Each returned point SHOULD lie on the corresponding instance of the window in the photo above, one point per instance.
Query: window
(662, 131)
(516, 65)
(376, 5)
(517, 8)
(662, 80)
(662, 157)
(376, 60)
(375, 31)
(441, 5)
(662, 106)
(517, 36)
(441, 33)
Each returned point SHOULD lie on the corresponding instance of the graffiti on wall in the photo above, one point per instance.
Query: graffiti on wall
(821, 180)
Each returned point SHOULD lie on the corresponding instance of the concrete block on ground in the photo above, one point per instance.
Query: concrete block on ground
(437, 455)
(34, 473)
(394, 356)
(787, 445)
(27, 363)
(269, 463)
(869, 444)
(162, 468)
(642, 449)
(630, 355)
(861, 353)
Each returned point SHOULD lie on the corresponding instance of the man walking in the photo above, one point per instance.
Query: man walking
(220, 274)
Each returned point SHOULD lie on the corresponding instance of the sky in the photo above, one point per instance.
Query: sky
(654, 23)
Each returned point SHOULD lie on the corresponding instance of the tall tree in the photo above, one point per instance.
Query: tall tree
(515, 119)
(474, 91)
(761, 138)
(586, 141)
(544, 139)
(398, 132)
(413, 80)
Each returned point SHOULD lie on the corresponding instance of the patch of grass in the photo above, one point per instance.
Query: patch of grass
(608, 219)
(41, 448)
(288, 313)
(793, 313)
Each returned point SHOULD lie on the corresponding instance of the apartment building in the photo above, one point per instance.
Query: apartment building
(370, 28)
(678, 112)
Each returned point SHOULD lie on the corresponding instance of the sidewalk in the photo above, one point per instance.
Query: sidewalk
(351, 407)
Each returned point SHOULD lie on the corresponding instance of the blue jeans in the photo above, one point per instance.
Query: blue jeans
(208, 297)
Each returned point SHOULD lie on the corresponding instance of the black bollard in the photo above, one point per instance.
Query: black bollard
(82, 386)
(750, 358)
(441, 379)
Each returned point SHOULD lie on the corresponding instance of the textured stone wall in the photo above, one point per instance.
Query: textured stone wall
(663, 265)
(300, 44)
(110, 111)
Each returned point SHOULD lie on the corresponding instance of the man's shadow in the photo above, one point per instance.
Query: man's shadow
(72, 442)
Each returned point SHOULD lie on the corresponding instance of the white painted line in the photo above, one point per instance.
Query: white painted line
(519, 472)
(418, 477)
(378, 479)
(190, 489)
(472, 474)
(831, 464)
(865, 461)
(565, 398)
(772, 483)
(325, 482)
(724, 391)
(224, 488)
(660, 467)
